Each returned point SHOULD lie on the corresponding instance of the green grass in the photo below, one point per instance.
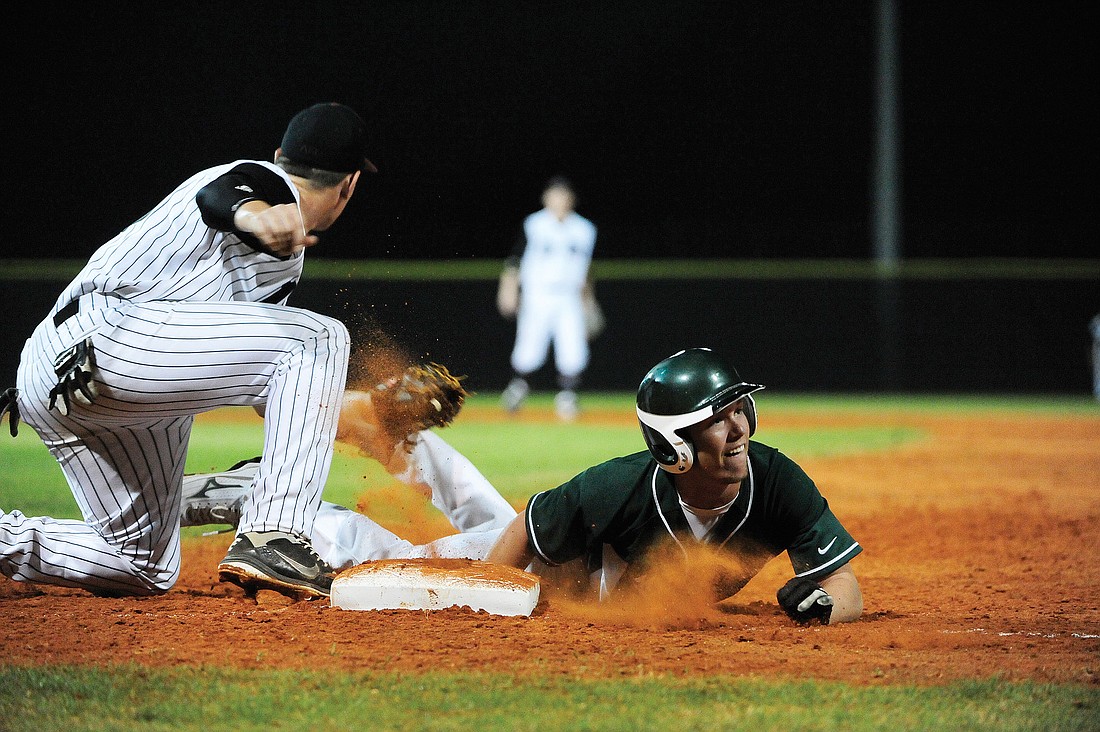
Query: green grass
(519, 457)
(134, 698)
(649, 269)
(523, 457)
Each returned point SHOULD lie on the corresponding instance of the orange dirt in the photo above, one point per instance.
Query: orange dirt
(980, 560)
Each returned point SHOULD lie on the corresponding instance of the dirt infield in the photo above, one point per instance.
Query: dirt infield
(981, 547)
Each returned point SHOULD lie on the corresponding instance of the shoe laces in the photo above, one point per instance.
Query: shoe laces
(202, 513)
(302, 542)
(308, 546)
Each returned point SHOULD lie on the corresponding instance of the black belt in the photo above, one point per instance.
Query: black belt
(65, 313)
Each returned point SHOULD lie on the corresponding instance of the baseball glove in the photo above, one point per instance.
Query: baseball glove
(424, 396)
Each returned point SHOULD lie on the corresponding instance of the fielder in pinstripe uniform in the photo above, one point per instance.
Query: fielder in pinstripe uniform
(181, 313)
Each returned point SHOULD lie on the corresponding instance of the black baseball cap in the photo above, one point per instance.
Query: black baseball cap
(328, 136)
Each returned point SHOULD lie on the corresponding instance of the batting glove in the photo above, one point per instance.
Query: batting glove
(74, 377)
(10, 407)
(805, 601)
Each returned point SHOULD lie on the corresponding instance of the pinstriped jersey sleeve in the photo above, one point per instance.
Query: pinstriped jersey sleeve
(170, 253)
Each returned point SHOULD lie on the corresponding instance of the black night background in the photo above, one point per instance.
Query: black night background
(692, 129)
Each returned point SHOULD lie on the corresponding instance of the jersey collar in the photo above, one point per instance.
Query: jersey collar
(667, 502)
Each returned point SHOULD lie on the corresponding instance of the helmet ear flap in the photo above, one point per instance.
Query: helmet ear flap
(750, 413)
(676, 455)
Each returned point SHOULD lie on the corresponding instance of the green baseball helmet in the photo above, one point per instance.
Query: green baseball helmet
(684, 389)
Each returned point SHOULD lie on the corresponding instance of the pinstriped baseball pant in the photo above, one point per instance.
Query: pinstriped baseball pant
(157, 366)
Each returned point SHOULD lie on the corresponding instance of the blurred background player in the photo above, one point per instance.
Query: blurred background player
(545, 285)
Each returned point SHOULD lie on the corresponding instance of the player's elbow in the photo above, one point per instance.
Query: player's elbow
(511, 547)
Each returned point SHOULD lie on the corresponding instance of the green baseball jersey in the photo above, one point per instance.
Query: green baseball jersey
(630, 505)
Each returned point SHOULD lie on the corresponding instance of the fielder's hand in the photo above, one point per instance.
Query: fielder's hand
(805, 601)
(279, 228)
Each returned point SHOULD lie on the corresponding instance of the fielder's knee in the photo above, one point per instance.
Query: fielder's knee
(335, 334)
(151, 579)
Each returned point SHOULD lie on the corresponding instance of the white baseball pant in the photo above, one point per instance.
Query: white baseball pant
(344, 538)
(546, 317)
(159, 364)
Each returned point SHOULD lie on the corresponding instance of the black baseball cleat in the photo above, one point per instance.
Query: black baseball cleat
(216, 498)
(276, 560)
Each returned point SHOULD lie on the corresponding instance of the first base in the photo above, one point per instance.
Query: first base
(434, 584)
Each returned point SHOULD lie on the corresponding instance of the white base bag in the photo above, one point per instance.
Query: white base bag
(434, 584)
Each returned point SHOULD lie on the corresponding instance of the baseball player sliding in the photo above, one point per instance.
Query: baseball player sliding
(701, 480)
(181, 313)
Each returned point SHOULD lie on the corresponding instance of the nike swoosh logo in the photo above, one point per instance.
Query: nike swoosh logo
(210, 488)
(307, 571)
(822, 550)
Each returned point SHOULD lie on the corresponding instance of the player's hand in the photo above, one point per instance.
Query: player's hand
(279, 228)
(508, 293)
(358, 426)
(805, 601)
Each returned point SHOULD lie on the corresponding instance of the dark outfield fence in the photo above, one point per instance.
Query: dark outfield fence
(1011, 327)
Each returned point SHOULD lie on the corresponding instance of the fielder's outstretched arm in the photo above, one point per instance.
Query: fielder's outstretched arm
(512, 547)
(843, 587)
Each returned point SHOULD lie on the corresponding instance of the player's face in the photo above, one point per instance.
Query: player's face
(722, 444)
(559, 201)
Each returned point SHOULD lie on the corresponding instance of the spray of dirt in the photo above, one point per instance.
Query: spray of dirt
(681, 589)
(405, 511)
(376, 357)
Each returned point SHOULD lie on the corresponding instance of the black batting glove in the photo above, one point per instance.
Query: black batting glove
(805, 601)
(74, 369)
(10, 407)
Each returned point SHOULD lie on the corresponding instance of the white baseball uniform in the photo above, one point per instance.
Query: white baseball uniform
(552, 274)
(184, 315)
(344, 538)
